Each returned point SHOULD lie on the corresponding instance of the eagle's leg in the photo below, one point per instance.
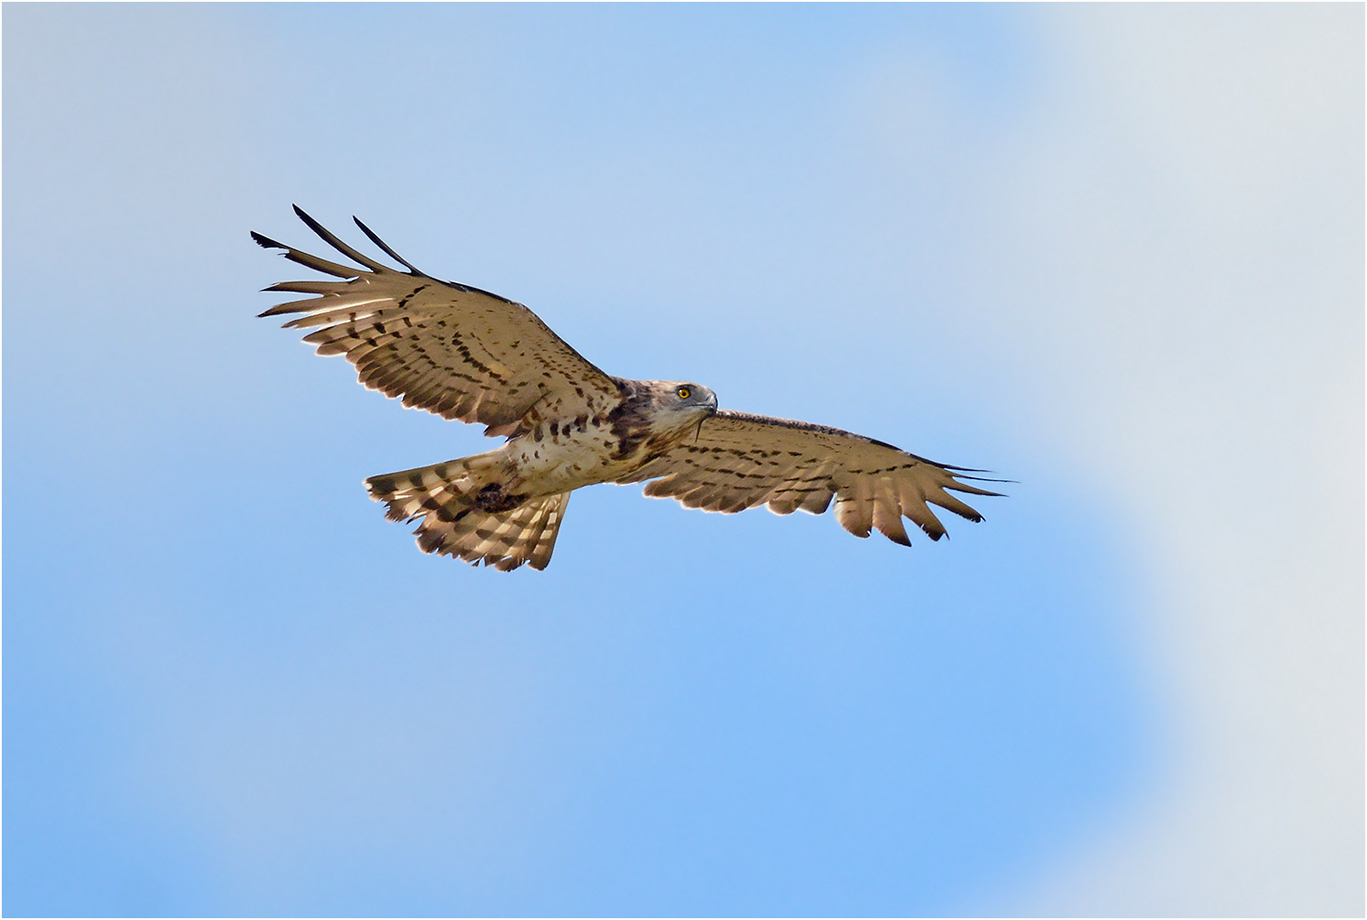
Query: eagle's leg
(493, 499)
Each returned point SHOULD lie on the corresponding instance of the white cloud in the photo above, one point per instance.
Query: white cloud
(1179, 239)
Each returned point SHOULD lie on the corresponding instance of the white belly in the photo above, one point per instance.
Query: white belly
(561, 462)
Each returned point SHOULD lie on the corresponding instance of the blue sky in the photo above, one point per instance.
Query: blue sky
(1114, 253)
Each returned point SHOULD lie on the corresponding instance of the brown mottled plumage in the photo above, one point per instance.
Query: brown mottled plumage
(466, 354)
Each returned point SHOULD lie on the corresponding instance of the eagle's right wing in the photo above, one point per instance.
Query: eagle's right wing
(740, 461)
(451, 349)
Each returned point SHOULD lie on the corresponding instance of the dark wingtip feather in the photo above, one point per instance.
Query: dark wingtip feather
(310, 222)
(390, 252)
(266, 242)
(963, 471)
(957, 486)
(336, 243)
(1013, 482)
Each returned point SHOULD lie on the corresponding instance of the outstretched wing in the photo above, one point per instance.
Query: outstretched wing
(740, 461)
(451, 349)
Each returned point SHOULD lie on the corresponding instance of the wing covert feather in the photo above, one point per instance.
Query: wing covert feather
(741, 461)
(451, 349)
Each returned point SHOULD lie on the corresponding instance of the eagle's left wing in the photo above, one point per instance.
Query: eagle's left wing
(454, 350)
(740, 461)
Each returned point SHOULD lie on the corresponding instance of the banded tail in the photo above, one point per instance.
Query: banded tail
(465, 516)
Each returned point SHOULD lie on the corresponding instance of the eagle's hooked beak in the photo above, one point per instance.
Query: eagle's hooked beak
(697, 435)
(711, 411)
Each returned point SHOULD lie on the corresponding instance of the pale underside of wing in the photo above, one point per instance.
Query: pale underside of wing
(454, 350)
(741, 461)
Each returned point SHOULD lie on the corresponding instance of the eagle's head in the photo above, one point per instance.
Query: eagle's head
(670, 407)
(656, 415)
(689, 402)
(683, 407)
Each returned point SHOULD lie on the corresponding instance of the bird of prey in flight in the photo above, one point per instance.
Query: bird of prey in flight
(466, 354)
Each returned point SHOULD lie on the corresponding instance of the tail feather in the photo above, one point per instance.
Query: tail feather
(447, 497)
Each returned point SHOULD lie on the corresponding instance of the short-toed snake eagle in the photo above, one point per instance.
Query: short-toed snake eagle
(470, 355)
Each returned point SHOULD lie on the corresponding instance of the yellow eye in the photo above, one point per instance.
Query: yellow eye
(683, 392)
